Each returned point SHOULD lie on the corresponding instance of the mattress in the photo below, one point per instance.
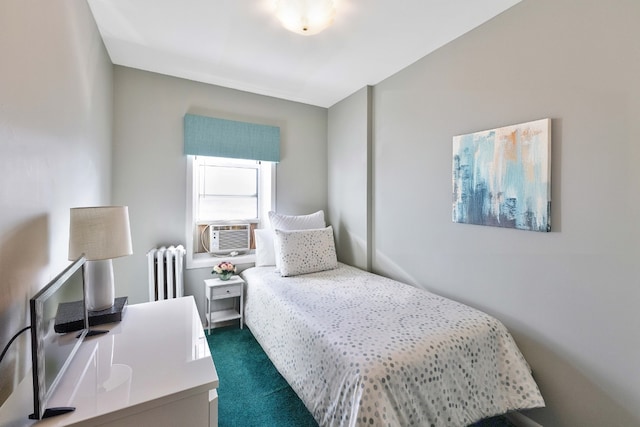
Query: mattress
(363, 350)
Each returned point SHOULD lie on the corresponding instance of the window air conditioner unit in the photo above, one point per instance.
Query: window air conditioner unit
(227, 238)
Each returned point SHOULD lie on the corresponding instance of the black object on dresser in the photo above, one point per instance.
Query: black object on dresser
(69, 316)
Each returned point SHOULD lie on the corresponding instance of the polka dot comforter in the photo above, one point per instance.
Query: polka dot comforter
(363, 350)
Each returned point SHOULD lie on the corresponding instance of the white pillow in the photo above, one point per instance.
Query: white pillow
(305, 251)
(297, 222)
(265, 251)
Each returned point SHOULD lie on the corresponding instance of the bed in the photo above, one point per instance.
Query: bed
(363, 350)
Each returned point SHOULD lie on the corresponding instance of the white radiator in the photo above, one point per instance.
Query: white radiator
(166, 272)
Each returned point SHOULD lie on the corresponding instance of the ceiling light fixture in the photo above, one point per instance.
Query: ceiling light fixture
(306, 17)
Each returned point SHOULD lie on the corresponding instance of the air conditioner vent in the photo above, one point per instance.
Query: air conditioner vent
(224, 239)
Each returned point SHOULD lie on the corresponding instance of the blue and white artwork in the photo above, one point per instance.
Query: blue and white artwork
(502, 177)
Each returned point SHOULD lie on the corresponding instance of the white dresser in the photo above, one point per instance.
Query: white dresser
(153, 368)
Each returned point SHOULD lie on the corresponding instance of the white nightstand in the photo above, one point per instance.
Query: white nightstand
(216, 289)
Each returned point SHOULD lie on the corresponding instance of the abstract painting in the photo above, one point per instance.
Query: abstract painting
(502, 177)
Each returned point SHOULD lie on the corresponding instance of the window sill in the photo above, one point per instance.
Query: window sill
(208, 260)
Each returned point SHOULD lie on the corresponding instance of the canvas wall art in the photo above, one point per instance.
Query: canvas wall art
(502, 177)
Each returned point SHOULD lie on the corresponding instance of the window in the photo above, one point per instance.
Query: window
(226, 197)
(227, 190)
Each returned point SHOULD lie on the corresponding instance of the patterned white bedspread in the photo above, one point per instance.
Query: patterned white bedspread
(363, 350)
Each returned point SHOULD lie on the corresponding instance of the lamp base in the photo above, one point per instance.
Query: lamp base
(98, 276)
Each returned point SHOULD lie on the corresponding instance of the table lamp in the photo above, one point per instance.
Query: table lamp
(100, 233)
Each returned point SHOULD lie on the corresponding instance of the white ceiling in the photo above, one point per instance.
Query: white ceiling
(240, 44)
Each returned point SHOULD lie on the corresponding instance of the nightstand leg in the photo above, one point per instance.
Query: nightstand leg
(241, 309)
(208, 312)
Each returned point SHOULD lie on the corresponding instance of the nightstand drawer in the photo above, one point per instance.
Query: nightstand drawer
(234, 289)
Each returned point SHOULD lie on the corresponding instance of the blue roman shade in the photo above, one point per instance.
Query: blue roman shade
(208, 136)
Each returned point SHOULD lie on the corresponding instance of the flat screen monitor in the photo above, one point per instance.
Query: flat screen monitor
(52, 351)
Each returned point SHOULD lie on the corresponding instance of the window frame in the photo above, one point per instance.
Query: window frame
(266, 202)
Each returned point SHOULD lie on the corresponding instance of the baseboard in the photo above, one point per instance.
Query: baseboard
(522, 421)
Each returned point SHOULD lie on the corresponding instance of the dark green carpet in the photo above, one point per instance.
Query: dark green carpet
(253, 394)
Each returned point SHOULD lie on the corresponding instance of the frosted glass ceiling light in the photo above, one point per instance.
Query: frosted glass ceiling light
(306, 17)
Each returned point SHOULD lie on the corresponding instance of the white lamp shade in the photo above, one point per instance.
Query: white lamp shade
(99, 232)
(306, 17)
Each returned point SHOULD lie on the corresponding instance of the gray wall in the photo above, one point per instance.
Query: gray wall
(56, 104)
(570, 296)
(349, 178)
(150, 169)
